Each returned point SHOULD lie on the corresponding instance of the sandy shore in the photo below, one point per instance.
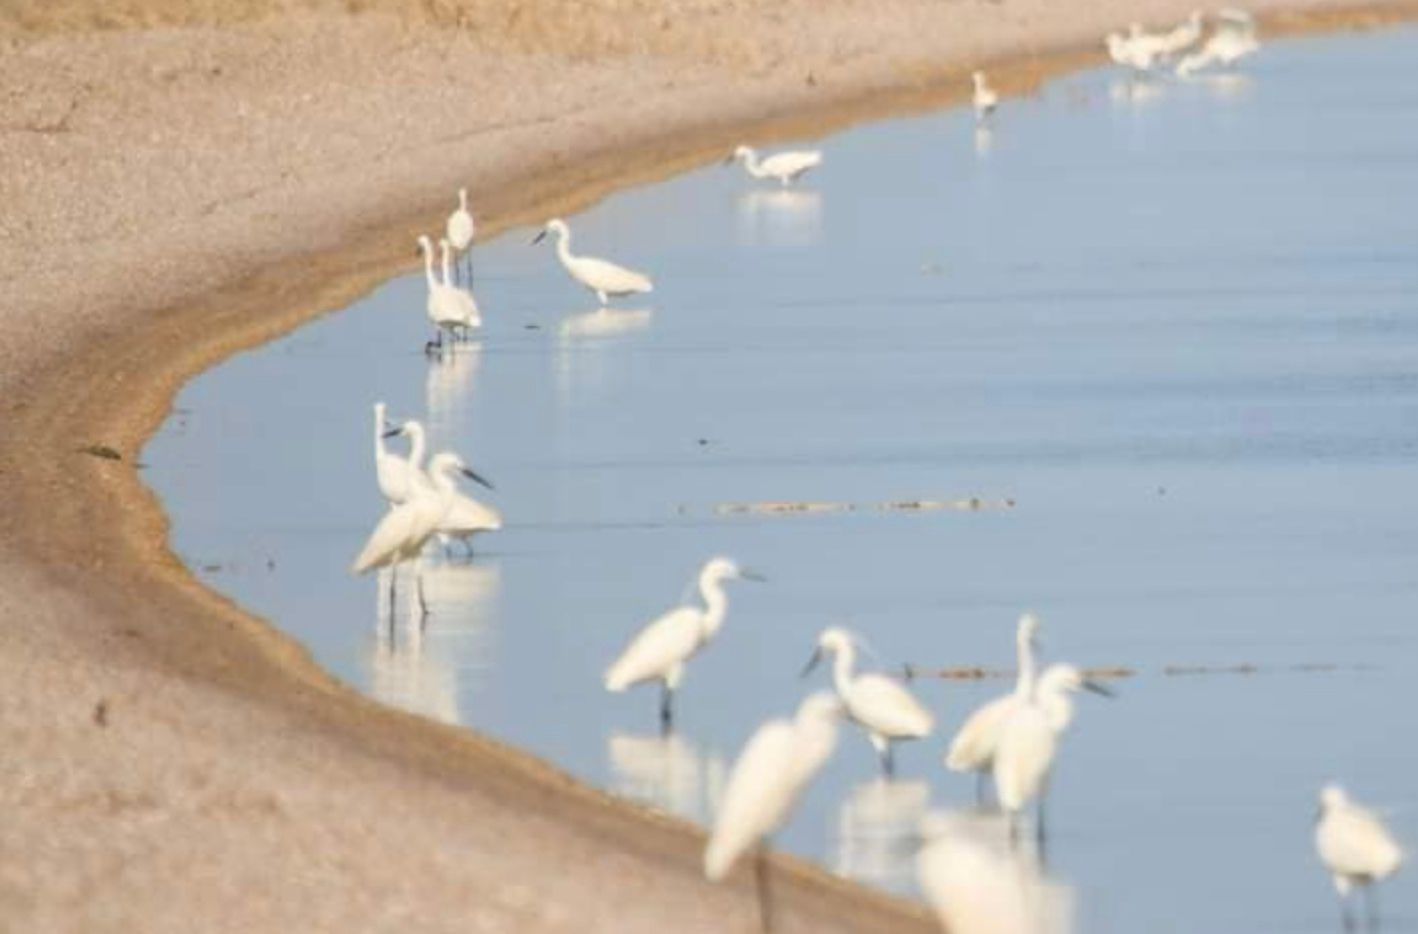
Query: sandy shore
(174, 194)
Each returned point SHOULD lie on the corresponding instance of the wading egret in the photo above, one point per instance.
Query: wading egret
(467, 305)
(460, 229)
(397, 475)
(1180, 37)
(444, 309)
(600, 276)
(973, 749)
(662, 648)
(776, 765)
(1356, 848)
(1126, 52)
(883, 707)
(1233, 40)
(984, 98)
(1028, 741)
(784, 167)
(463, 517)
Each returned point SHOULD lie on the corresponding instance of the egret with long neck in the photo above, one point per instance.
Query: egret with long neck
(973, 748)
(601, 276)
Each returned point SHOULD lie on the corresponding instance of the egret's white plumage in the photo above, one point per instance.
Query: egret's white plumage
(659, 652)
(406, 528)
(1125, 51)
(397, 475)
(1354, 845)
(973, 748)
(463, 517)
(445, 310)
(460, 229)
(467, 305)
(600, 276)
(776, 764)
(1180, 37)
(984, 98)
(887, 711)
(1234, 39)
(783, 167)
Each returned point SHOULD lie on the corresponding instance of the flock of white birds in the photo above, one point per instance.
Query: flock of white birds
(1011, 742)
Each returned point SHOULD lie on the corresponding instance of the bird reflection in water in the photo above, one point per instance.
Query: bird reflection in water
(984, 140)
(419, 668)
(1226, 86)
(1135, 92)
(876, 826)
(781, 217)
(584, 360)
(448, 387)
(978, 883)
(667, 772)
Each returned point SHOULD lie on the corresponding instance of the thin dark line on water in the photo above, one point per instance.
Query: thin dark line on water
(1118, 672)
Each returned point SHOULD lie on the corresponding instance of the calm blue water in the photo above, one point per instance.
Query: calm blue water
(1178, 327)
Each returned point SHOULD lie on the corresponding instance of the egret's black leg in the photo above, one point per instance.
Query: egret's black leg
(761, 869)
(666, 709)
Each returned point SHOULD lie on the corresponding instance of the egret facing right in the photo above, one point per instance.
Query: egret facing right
(1356, 848)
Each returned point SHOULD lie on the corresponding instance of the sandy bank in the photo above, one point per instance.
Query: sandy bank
(173, 195)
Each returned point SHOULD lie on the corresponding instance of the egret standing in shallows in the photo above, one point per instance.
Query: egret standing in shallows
(785, 167)
(460, 229)
(1140, 58)
(1233, 40)
(1029, 738)
(600, 276)
(985, 98)
(1356, 848)
(464, 516)
(776, 765)
(445, 310)
(662, 648)
(1181, 37)
(467, 305)
(401, 534)
(397, 475)
(973, 749)
(887, 711)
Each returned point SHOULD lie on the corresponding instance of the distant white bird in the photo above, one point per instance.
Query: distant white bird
(468, 306)
(600, 276)
(1127, 52)
(973, 749)
(460, 230)
(1355, 847)
(887, 711)
(784, 167)
(1180, 37)
(659, 652)
(1028, 741)
(1233, 40)
(985, 98)
(445, 310)
(776, 765)
(396, 474)
(463, 517)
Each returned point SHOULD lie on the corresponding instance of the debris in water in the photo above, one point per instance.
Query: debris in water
(100, 450)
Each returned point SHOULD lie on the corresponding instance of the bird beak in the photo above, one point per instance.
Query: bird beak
(1099, 689)
(812, 662)
(539, 238)
(392, 432)
(471, 475)
(749, 574)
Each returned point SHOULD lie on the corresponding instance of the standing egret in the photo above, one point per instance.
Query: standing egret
(662, 648)
(886, 710)
(1028, 741)
(973, 749)
(1128, 53)
(1180, 37)
(463, 516)
(785, 167)
(1233, 40)
(1356, 848)
(445, 311)
(397, 475)
(776, 765)
(460, 229)
(600, 276)
(985, 98)
(467, 305)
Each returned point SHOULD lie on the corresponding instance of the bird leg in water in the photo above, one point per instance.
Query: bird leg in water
(1371, 907)
(418, 593)
(761, 869)
(980, 779)
(667, 715)
(888, 760)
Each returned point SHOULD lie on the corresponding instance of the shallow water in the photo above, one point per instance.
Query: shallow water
(1178, 327)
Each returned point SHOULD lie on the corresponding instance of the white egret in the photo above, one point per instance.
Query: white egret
(1180, 37)
(1355, 847)
(659, 652)
(460, 229)
(784, 167)
(600, 276)
(397, 475)
(1233, 40)
(463, 517)
(973, 749)
(445, 311)
(1028, 741)
(776, 765)
(984, 98)
(1126, 52)
(887, 711)
(467, 305)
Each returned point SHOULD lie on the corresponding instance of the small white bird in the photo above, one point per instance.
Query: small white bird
(1355, 847)
(1180, 37)
(396, 474)
(785, 167)
(887, 711)
(600, 276)
(1233, 40)
(467, 305)
(776, 765)
(445, 311)
(460, 230)
(984, 98)
(463, 517)
(659, 652)
(973, 749)
(1124, 51)
(1028, 741)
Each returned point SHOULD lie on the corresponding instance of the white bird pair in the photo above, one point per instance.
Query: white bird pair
(1233, 40)
(450, 309)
